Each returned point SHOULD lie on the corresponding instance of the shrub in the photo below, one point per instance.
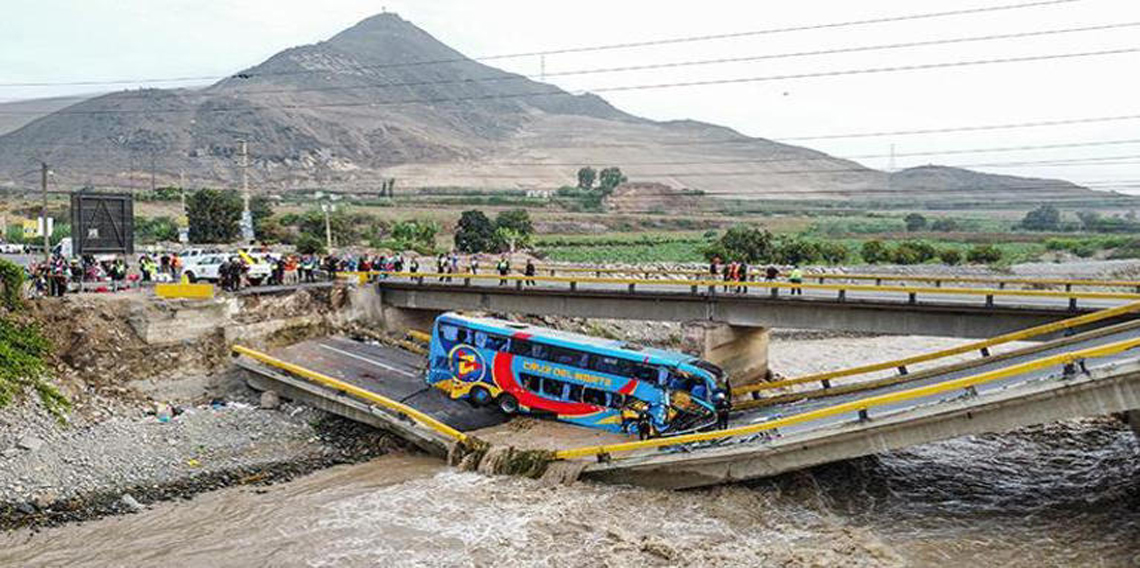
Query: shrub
(950, 256)
(984, 254)
(874, 252)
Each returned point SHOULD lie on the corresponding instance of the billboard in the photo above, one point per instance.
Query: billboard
(102, 223)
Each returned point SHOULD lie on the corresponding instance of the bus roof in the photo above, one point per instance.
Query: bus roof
(615, 347)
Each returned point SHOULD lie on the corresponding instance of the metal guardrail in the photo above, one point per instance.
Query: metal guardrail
(354, 390)
(773, 287)
(1068, 283)
(982, 346)
(862, 406)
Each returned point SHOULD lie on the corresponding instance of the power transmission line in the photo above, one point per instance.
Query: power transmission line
(507, 77)
(589, 48)
(559, 92)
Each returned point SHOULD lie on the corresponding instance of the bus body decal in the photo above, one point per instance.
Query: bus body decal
(629, 387)
(504, 377)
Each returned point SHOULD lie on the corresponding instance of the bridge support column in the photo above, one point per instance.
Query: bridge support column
(741, 351)
(401, 320)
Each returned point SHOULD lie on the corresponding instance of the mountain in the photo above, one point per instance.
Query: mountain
(385, 99)
(15, 114)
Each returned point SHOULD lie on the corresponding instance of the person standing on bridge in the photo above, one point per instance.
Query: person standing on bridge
(529, 271)
(796, 277)
(729, 275)
(473, 264)
(742, 277)
(504, 268)
(714, 267)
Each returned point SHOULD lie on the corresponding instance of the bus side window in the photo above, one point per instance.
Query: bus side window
(532, 382)
(552, 387)
(485, 340)
(566, 356)
(645, 373)
(495, 343)
(520, 347)
(539, 351)
(594, 396)
(574, 393)
(603, 364)
(449, 332)
(615, 400)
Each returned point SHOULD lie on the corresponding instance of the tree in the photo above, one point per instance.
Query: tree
(1044, 218)
(796, 250)
(154, 229)
(508, 238)
(586, 177)
(833, 252)
(416, 234)
(310, 244)
(260, 209)
(741, 242)
(874, 252)
(915, 222)
(1090, 220)
(474, 233)
(520, 228)
(214, 216)
(610, 178)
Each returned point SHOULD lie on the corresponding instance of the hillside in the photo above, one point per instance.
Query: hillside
(15, 114)
(385, 99)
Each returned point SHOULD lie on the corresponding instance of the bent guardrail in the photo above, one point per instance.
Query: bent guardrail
(981, 346)
(356, 391)
(863, 406)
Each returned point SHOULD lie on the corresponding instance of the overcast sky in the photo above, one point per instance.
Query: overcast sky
(73, 40)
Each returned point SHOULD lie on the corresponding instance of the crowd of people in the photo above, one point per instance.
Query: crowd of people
(59, 275)
(735, 274)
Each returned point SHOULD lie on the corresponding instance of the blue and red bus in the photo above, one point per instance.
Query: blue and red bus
(588, 381)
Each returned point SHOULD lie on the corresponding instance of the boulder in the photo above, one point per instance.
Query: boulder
(270, 400)
(30, 443)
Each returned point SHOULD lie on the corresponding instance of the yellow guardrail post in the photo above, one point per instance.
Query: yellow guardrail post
(354, 390)
(862, 404)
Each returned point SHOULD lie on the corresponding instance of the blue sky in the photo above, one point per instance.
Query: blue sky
(56, 41)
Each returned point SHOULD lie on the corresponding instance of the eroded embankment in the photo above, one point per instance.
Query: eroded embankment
(157, 411)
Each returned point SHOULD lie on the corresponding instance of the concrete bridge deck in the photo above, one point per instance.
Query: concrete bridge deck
(1038, 385)
(901, 310)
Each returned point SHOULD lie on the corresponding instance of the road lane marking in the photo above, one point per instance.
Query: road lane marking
(366, 359)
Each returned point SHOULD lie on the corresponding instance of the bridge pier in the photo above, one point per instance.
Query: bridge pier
(742, 351)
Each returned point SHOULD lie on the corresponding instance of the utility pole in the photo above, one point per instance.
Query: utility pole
(182, 189)
(44, 210)
(152, 184)
(327, 207)
(246, 215)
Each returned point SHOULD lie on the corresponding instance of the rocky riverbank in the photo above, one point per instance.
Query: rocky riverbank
(52, 473)
(157, 410)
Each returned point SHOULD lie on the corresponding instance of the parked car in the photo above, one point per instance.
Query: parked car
(11, 248)
(204, 267)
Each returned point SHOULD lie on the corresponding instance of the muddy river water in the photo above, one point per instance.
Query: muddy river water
(1059, 495)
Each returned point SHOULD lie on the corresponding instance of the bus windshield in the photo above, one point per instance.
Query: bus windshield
(578, 379)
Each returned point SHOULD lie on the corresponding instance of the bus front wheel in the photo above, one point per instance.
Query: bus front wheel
(508, 404)
(480, 396)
